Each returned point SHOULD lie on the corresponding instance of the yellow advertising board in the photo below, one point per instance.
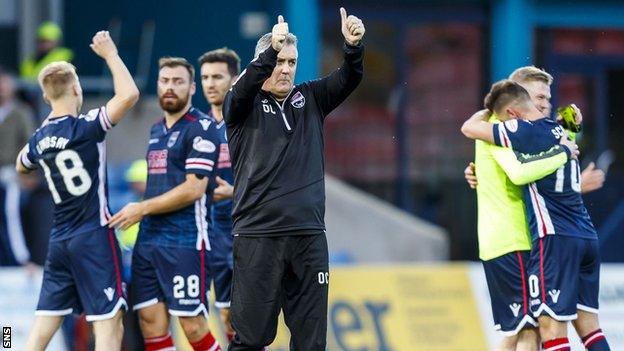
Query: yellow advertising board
(400, 308)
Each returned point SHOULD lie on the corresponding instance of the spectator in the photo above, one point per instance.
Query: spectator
(49, 36)
(16, 126)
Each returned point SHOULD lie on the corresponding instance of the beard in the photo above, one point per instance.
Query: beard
(174, 105)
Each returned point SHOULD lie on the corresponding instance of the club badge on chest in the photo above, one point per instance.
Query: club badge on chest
(173, 138)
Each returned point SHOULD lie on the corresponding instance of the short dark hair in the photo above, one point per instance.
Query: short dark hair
(175, 62)
(225, 55)
(503, 93)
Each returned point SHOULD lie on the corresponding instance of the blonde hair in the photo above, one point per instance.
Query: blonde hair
(531, 74)
(176, 62)
(56, 78)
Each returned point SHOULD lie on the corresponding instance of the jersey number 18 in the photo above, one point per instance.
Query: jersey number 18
(76, 179)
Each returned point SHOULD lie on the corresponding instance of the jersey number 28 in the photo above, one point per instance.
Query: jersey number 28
(76, 179)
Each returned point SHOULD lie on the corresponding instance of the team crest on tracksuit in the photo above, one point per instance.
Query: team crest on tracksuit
(298, 100)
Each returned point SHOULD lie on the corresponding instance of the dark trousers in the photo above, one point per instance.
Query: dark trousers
(283, 272)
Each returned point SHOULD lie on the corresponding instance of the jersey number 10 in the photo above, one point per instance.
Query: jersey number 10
(76, 179)
(575, 177)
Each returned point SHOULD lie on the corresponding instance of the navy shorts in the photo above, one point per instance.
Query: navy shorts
(506, 278)
(564, 275)
(221, 264)
(83, 274)
(176, 276)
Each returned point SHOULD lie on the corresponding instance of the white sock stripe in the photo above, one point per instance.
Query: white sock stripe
(593, 337)
(558, 347)
(214, 346)
(158, 338)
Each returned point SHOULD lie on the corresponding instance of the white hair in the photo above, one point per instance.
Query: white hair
(265, 41)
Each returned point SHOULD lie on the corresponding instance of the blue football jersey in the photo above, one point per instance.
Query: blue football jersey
(222, 211)
(71, 152)
(554, 203)
(190, 146)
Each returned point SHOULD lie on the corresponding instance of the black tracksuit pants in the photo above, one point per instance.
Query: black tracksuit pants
(288, 272)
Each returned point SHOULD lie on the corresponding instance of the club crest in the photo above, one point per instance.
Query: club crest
(173, 138)
(298, 100)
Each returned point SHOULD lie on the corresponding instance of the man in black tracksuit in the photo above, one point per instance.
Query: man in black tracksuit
(275, 133)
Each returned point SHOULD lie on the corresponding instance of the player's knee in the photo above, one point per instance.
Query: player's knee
(153, 324)
(508, 343)
(528, 340)
(194, 327)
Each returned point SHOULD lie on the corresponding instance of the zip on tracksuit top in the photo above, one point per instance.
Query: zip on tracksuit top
(276, 147)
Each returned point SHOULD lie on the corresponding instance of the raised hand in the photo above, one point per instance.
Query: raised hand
(280, 30)
(352, 28)
(592, 178)
(103, 45)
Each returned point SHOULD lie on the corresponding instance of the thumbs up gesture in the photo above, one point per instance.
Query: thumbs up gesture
(352, 28)
(280, 30)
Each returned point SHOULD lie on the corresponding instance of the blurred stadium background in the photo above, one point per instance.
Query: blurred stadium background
(401, 219)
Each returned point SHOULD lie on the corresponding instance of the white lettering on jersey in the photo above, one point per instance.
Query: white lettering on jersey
(203, 145)
(51, 142)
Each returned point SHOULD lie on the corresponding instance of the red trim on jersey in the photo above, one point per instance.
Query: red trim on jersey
(542, 279)
(539, 211)
(190, 118)
(111, 239)
(506, 140)
(524, 291)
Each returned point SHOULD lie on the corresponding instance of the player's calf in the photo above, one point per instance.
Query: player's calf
(109, 332)
(198, 334)
(554, 334)
(42, 332)
(588, 328)
(154, 321)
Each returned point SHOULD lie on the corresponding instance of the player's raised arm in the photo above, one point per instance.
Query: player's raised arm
(240, 98)
(126, 91)
(333, 89)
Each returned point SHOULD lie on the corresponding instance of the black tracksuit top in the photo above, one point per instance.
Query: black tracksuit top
(276, 148)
